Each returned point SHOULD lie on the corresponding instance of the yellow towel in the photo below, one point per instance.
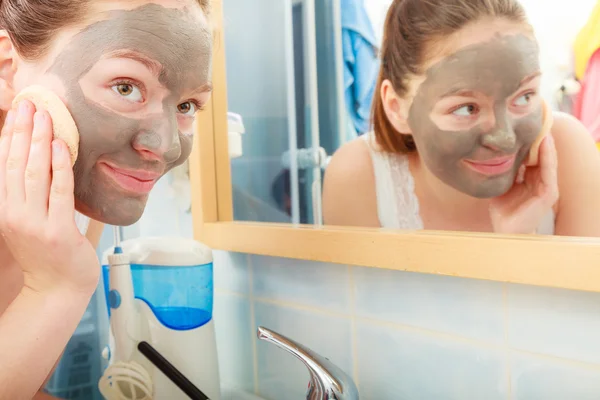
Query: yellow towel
(587, 42)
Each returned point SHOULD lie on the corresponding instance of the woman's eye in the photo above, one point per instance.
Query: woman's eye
(187, 108)
(466, 111)
(129, 91)
(523, 100)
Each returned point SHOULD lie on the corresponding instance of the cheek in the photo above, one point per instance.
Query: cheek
(26, 77)
(186, 147)
(447, 146)
(186, 125)
(528, 129)
(186, 150)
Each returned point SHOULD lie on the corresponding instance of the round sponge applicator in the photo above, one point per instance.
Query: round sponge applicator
(63, 125)
(547, 121)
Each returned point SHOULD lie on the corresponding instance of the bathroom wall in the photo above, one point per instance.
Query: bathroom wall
(404, 335)
(398, 334)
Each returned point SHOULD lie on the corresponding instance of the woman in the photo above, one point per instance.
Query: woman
(457, 111)
(133, 73)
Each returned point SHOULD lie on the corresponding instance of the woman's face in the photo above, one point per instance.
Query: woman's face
(133, 76)
(476, 111)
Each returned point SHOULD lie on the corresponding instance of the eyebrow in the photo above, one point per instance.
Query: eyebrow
(472, 93)
(156, 68)
(458, 92)
(207, 87)
(529, 78)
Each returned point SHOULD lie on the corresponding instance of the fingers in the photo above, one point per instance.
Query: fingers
(5, 139)
(19, 153)
(37, 172)
(61, 204)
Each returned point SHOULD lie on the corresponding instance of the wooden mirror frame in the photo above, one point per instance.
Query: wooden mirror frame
(564, 262)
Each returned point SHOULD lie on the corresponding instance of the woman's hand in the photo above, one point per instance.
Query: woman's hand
(37, 211)
(523, 207)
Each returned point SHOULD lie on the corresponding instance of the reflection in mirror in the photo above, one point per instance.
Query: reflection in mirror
(479, 122)
(286, 88)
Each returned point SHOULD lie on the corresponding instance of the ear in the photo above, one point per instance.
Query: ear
(7, 71)
(396, 108)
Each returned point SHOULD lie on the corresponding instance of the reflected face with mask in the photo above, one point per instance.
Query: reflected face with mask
(475, 112)
(133, 77)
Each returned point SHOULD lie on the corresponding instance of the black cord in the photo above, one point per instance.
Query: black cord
(171, 372)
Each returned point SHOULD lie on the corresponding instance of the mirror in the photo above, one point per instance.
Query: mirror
(290, 90)
(301, 81)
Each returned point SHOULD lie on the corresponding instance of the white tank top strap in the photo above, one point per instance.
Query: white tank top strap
(397, 204)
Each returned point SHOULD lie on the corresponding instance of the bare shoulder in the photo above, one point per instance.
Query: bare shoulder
(575, 147)
(349, 197)
(568, 132)
(578, 178)
(353, 157)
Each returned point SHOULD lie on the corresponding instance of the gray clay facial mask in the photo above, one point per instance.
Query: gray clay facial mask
(181, 45)
(494, 69)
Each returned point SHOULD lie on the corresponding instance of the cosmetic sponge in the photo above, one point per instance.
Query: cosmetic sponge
(534, 152)
(63, 125)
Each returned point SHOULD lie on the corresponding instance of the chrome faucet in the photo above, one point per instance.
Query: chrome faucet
(327, 381)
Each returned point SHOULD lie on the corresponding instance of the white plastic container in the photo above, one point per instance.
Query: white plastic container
(235, 129)
(173, 291)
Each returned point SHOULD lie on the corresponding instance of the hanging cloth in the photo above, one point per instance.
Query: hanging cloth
(587, 42)
(361, 63)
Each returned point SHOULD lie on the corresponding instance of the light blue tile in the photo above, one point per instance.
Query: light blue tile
(558, 322)
(231, 272)
(233, 328)
(410, 365)
(304, 282)
(465, 307)
(535, 378)
(280, 375)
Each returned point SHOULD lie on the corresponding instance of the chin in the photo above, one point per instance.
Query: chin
(125, 214)
(120, 220)
(493, 188)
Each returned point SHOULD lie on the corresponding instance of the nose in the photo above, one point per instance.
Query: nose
(158, 140)
(501, 136)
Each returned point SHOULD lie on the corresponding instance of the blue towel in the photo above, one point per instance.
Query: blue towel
(361, 64)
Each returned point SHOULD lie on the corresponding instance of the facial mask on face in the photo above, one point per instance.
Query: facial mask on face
(181, 44)
(495, 69)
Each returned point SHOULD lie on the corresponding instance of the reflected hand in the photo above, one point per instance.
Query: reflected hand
(37, 211)
(523, 207)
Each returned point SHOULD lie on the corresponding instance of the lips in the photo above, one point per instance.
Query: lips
(493, 166)
(134, 181)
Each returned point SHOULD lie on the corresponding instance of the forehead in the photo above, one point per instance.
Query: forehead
(500, 63)
(177, 38)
